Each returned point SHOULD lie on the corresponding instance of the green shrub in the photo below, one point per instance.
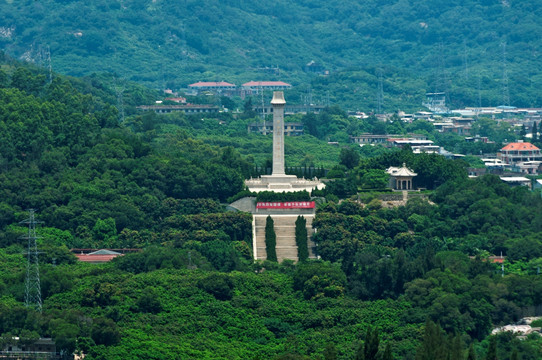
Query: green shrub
(218, 285)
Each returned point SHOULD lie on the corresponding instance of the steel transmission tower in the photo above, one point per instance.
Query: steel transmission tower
(120, 86)
(504, 85)
(380, 93)
(32, 294)
(47, 65)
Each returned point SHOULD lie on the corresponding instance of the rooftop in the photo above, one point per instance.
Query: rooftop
(402, 171)
(265, 83)
(519, 146)
(211, 84)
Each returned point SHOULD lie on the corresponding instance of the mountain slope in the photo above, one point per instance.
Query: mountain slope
(454, 46)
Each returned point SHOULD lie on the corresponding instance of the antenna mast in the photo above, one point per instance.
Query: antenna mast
(32, 294)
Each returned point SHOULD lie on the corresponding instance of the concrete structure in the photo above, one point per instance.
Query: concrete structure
(278, 181)
(291, 109)
(178, 100)
(436, 102)
(519, 152)
(285, 215)
(388, 140)
(315, 68)
(284, 219)
(401, 178)
(255, 87)
(284, 225)
(187, 109)
(516, 180)
(412, 142)
(100, 256)
(42, 348)
(290, 129)
(278, 103)
(216, 87)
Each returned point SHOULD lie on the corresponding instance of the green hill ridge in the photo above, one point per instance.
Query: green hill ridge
(470, 49)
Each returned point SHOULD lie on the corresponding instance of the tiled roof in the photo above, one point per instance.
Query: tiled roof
(176, 99)
(104, 252)
(402, 171)
(96, 258)
(211, 84)
(520, 146)
(265, 83)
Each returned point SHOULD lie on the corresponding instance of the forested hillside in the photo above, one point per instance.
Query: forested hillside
(392, 282)
(469, 49)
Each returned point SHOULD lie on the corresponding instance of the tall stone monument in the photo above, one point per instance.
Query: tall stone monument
(278, 181)
(278, 103)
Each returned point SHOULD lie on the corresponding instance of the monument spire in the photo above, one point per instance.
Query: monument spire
(278, 103)
(278, 181)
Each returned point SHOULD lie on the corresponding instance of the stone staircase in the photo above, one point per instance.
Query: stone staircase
(285, 232)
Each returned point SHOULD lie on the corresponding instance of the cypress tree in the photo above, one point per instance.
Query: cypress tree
(359, 353)
(456, 350)
(372, 340)
(492, 349)
(472, 354)
(535, 132)
(433, 346)
(301, 238)
(330, 352)
(515, 355)
(387, 353)
(270, 239)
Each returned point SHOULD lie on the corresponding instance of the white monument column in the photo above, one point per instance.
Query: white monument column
(278, 103)
(278, 181)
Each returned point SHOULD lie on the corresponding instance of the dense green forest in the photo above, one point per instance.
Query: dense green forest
(392, 281)
(470, 49)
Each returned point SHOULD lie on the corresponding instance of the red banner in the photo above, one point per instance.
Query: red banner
(286, 205)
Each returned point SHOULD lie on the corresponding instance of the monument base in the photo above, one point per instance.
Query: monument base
(283, 183)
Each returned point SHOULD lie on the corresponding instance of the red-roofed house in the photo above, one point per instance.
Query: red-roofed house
(220, 87)
(519, 152)
(179, 100)
(254, 87)
(97, 257)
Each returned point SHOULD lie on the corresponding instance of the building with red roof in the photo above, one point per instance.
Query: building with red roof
(97, 257)
(180, 100)
(519, 152)
(100, 256)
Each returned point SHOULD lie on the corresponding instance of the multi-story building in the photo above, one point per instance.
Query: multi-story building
(290, 129)
(216, 87)
(187, 109)
(519, 152)
(255, 87)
